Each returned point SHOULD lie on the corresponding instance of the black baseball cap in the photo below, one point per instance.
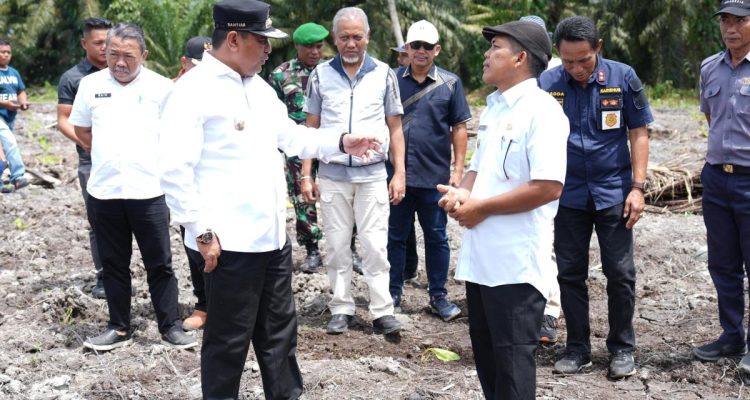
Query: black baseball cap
(247, 16)
(529, 35)
(740, 8)
(195, 47)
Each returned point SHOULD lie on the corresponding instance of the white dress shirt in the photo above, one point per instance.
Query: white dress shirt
(125, 138)
(523, 136)
(221, 168)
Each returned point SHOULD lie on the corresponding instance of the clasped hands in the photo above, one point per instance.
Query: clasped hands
(460, 206)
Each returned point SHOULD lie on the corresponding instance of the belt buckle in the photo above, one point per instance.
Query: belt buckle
(728, 168)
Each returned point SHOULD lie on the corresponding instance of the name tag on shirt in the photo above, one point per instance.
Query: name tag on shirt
(745, 87)
(611, 119)
(102, 95)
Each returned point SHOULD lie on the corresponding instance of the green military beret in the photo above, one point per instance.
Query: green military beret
(309, 33)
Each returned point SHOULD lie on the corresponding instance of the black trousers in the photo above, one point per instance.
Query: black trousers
(115, 223)
(504, 324)
(196, 264)
(84, 172)
(573, 230)
(250, 299)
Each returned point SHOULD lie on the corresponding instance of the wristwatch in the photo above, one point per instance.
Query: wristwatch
(205, 237)
(341, 142)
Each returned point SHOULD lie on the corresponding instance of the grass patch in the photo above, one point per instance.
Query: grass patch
(42, 94)
(665, 95)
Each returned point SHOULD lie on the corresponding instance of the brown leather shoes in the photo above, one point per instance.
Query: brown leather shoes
(195, 321)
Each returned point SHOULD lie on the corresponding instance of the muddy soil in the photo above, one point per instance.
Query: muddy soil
(46, 312)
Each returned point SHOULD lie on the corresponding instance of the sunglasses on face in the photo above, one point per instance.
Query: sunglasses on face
(421, 45)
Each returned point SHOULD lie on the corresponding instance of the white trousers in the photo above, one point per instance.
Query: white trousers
(342, 204)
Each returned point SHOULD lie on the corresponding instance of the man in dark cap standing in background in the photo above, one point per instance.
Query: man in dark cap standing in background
(507, 201)
(194, 49)
(290, 80)
(220, 123)
(193, 54)
(725, 100)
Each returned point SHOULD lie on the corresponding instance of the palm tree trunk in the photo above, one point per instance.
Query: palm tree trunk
(395, 24)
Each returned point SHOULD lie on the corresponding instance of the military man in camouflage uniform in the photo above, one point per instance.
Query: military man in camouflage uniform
(289, 80)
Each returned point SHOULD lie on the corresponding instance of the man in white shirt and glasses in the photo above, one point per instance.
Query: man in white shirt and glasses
(507, 202)
(115, 117)
(221, 128)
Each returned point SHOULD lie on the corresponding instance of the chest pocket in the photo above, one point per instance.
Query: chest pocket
(610, 111)
(511, 157)
(711, 97)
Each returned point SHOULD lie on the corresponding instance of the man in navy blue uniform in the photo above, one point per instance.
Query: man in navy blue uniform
(607, 107)
(435, 115)
(725, 100)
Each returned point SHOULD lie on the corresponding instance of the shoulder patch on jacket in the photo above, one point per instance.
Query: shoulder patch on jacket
(640, 101)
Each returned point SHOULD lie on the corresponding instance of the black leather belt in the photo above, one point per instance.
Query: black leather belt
(733, 168)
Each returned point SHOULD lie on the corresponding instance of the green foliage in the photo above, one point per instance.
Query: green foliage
(664, 94)
(663, 40)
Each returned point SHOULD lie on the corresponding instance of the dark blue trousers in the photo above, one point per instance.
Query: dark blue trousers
(726, 213)
(196, 263)
(433, 220)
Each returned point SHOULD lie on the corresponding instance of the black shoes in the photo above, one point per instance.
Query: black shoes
(98, 291)
(108, 340)
(312, 262)
(572, 363)
(178, 339)
(716, 350)
(386, 325)
(339, 323)
(548, 333)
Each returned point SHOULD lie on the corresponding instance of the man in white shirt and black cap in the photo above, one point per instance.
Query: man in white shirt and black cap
(220, 123)
(115, 116)
(508, 200)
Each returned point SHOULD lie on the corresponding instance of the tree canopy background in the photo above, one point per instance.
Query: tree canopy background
(664, 40)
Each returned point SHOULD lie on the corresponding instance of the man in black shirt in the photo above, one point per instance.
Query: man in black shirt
(93, 42)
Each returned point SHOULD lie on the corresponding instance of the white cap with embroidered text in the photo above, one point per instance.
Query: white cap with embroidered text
(422, 31)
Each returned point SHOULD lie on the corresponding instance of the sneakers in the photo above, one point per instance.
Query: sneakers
(97, 291)
(386, 325)
(444, 308)
(178, 339)
(548, 333)
(572, 362)
(356, 262)
(716, 350)
(621, 364)
(19, 183)
(195, 321)
(339, 324)
(312, 262)
(108, 340)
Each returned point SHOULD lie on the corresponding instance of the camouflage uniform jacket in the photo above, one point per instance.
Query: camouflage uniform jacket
(290, 80)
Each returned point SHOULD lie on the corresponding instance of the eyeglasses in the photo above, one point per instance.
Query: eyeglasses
(422, 45)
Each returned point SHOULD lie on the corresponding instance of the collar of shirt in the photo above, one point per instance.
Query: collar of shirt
(431, 75)
(599, 69)
(727, 58)
(298, 65)
(367, 65)
(511, 96)
(218, 68)
(88, 66)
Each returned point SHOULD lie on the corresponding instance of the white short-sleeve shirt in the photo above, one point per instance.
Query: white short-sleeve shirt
(125, 138)
(523, 136)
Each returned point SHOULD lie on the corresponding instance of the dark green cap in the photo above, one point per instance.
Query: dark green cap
(309, 33)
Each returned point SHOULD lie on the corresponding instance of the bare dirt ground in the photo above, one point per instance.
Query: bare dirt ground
(46, 312)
